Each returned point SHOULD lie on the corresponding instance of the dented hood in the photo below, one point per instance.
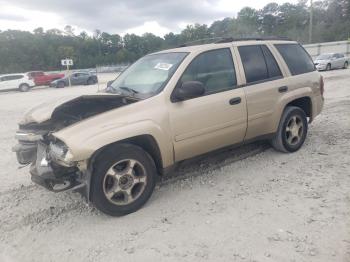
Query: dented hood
(44, 111)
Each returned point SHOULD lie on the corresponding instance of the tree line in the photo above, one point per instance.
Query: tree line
(22, 51)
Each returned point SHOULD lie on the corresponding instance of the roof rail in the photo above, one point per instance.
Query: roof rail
(262, 38)
(218, 40)
(201, 41)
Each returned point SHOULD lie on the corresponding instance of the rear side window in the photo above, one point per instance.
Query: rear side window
(259, 64)
(297, 59)
(14, 77)
(214, 69)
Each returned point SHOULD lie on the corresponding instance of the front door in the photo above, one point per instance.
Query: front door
(216, 119)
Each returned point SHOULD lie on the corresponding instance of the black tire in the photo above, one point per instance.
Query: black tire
(329, 67)
(24, 88)
(106, 161)
(283, 141)
(90, 81)
(61, 84)
(346, 64)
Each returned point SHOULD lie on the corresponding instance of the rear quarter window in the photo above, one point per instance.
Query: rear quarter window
(296, 58)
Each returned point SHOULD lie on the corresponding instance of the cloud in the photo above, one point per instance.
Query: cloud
(118, 16)
(12, 17)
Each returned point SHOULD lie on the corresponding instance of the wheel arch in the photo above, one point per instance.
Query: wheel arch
(146, 142)
(305, 103)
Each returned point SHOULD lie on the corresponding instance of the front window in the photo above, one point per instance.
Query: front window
(148, 76)
(214, 69)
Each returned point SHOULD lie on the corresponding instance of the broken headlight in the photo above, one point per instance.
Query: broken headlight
(60, 153)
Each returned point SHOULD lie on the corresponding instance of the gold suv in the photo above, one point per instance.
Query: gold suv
(167, 107)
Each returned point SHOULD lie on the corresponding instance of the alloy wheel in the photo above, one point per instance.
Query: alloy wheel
(294, 130)
(124, 182)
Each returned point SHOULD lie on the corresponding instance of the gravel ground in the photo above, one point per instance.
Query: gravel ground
(247, 204)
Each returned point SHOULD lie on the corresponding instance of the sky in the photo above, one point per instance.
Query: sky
(119, 16)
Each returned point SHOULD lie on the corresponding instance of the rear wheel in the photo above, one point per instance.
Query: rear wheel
(24, 88)
(123, 179)
(346, 64)
(329, 67)
(292, 130)
(90, 81)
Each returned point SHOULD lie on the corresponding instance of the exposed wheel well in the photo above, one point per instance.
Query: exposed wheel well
(146, 142)
(304, 103)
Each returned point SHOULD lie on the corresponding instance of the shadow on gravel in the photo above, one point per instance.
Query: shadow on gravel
(212, 161)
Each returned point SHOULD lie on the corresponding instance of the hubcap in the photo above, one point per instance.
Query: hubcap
(294, 130)
(124, 182)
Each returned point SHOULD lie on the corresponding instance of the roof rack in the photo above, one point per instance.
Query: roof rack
(262, 38)
(201, 41)
(218, 40)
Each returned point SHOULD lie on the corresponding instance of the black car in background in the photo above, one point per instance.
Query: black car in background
(77, 78)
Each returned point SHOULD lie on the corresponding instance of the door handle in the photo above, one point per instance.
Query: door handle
(283, 89)
(235, 101)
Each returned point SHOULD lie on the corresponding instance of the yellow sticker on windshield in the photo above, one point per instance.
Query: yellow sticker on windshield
(163, 66)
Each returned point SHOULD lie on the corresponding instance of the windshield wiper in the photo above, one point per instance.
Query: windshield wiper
(130, 90)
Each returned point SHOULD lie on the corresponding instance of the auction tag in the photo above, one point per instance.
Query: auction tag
(163, 66)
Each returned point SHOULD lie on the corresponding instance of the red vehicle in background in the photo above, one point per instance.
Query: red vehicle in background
(42, 79)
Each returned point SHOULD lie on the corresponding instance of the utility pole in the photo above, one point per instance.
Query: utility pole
(311, 21)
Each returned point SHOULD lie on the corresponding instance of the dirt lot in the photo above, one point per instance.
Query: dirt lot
(248, 204)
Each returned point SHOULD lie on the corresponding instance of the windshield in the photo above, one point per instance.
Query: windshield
(324, 57)
(148, 76)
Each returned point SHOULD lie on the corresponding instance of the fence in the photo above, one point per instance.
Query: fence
(329, 47)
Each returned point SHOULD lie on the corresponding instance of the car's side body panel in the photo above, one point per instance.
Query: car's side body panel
(87, 136)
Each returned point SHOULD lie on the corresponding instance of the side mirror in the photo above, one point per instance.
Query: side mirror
(189, 89)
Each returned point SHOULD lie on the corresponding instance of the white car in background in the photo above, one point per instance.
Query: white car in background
(331, 61)
(16, 81)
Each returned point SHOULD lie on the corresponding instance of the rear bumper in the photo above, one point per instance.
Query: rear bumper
(317, 106)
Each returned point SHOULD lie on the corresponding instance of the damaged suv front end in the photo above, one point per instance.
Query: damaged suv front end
(51, 161)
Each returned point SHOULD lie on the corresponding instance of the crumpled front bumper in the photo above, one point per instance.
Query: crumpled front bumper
(42, 173)
(46, 173)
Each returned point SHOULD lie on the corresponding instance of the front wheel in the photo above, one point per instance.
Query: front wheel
(346, 64)
(24, 88)
(329, 67)
(292, 130)
(123, 180)
(60, 85)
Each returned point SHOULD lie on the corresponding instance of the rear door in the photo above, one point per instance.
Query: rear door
(264, 86)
